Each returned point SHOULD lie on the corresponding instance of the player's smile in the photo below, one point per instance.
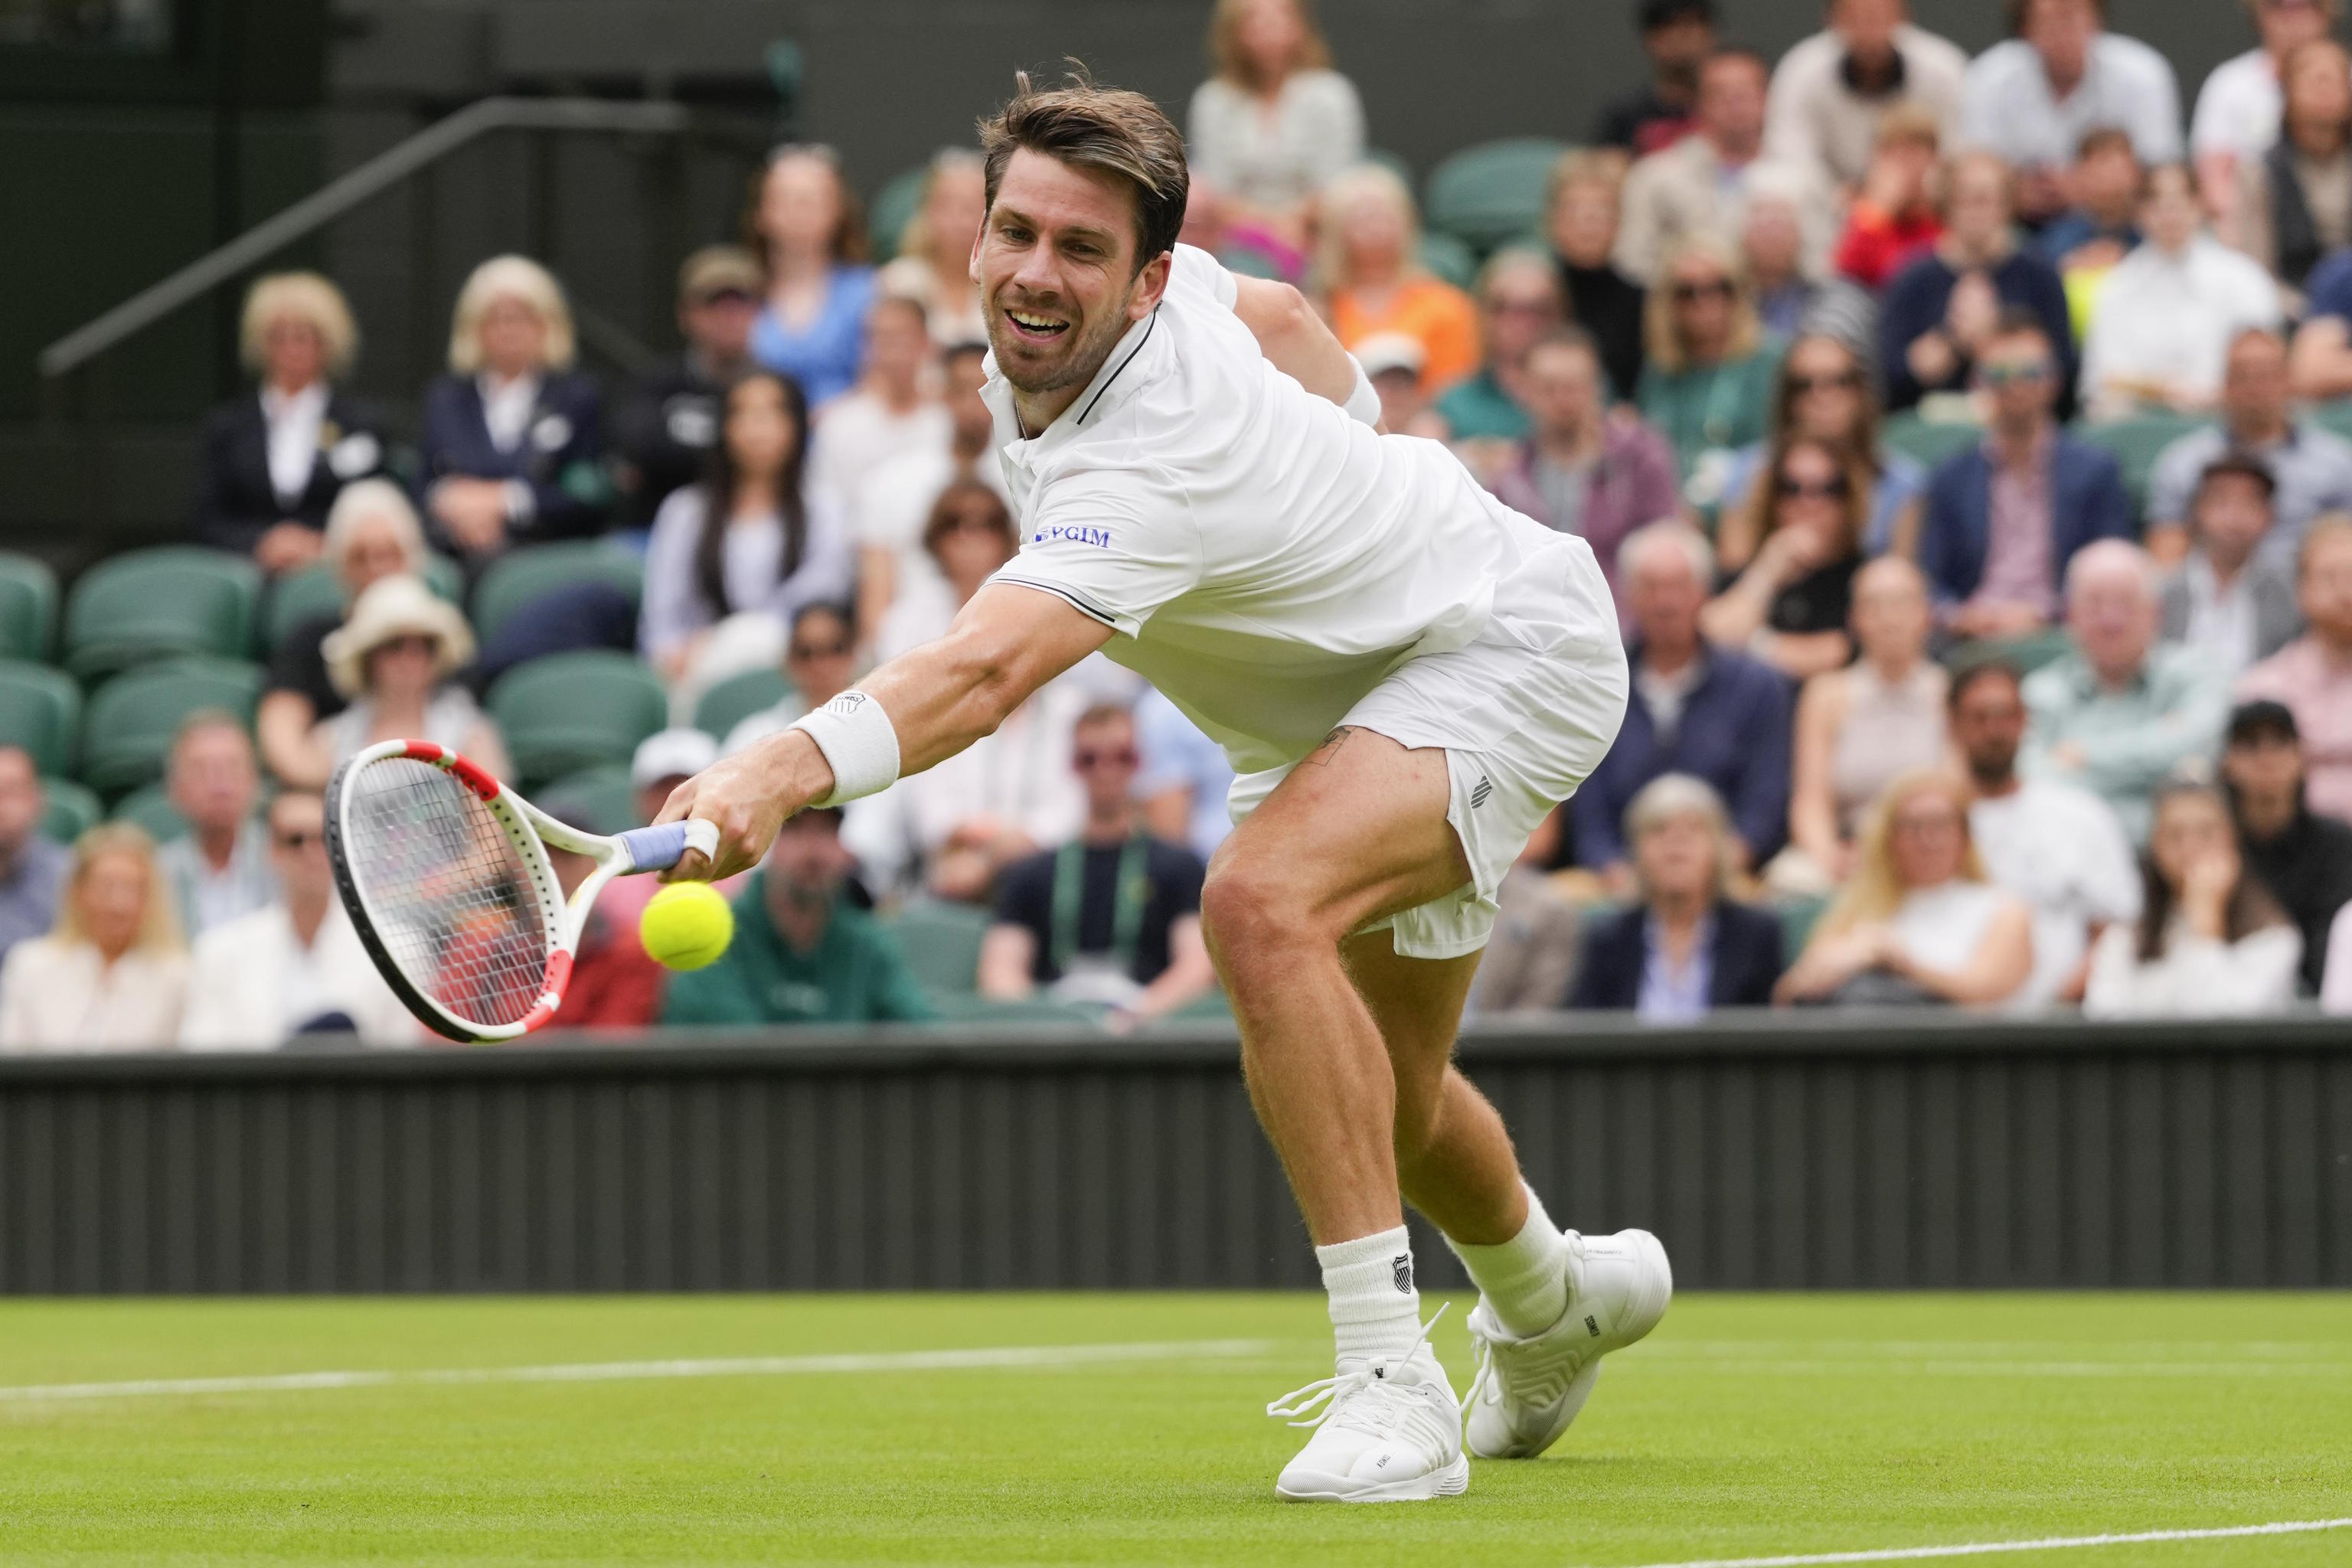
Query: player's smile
(1036, 325)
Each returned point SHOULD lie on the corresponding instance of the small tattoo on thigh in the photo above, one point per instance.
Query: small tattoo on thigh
(1321, 756)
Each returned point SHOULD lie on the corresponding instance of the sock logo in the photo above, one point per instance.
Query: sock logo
(1402, 1269)
(1591, 1327)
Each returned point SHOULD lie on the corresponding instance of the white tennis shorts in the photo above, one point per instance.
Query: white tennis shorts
(1523, 715)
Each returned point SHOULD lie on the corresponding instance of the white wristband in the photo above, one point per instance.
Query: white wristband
(858, 740)
(1364, 403)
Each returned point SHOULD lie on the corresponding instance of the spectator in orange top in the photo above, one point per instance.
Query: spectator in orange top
(1374, 283)
(1895, 217)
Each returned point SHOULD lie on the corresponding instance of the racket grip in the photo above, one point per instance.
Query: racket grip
(659, 849)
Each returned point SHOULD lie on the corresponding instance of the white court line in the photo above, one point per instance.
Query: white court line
(1986, 1548)
(622, 1371)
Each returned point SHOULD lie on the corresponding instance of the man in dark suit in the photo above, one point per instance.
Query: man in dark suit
(1685, 949)
(664, 429)
(2003, 518)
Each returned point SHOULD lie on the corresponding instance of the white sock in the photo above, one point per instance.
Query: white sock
(1523, 1279)
(1375, 1310)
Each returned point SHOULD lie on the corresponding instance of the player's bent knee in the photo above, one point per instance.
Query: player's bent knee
(1249, 911)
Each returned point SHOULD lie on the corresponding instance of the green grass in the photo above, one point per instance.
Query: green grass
(1746, 1426)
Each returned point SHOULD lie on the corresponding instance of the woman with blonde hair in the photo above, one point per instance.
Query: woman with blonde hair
(394, 662)
(1273, 125)
(1707, 386)
(1919, 922)
(810, 234)
(933, 267)
(275, 462)
(1368, 271)
(512, 434)
(113, 974)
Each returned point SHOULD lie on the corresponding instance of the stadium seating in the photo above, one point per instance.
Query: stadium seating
(1928, 442)
(2137, 443)
(574, 711)
(967, 1007)
(1488, 194)
(40, 710)
(941, 945)
(1447, 257)
(158, 604)
(29, 606)
(894, 208)
(518, 577)
(132, 718)
(151, 809)
(72, 810)
(604, 797)
(312, 591)
(737, 698)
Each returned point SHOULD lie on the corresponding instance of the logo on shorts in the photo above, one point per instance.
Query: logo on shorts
(1097, 537)
(1478, 796)
(1402, 1271)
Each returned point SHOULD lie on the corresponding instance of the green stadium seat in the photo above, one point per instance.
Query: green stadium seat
(151, 809)
(737, 698)
(1487, 195)
(518, 576)
(2335, 417)
(72, 810)
(1928, 443)
(133, 716)
(574, 711)
(1797, 917)
(1213, 1008)
(2137, 443)
(1447, 257)
(941, 944)
(2023, 654)
(40, 710)
(895, 206)
(606, 799)
(29, 606)
(160, 604)
(966, 1008)
(313, 591)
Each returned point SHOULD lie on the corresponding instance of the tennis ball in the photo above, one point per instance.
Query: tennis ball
(687, 925)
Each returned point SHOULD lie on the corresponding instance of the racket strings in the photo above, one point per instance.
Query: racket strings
(447, 891)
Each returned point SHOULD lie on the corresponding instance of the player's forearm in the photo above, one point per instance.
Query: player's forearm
(945, 694)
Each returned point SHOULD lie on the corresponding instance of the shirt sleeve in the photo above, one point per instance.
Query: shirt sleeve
(1194, 269)
(1113, 544)
(2335, 980)
(673, 606)
(1025, 897)
(2156, 106)
(2330, 291)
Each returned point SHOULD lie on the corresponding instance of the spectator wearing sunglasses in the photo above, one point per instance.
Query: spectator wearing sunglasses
(820, 658)
(295, 966)
(1709, 383)
(2005, 518)
(1826, 393)
(1789, 606)
(1112, 917)
(1520, 302)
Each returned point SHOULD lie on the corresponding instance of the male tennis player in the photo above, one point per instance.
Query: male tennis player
(1407, 677)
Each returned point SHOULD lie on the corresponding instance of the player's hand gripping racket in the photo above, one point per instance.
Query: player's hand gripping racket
(445, 871)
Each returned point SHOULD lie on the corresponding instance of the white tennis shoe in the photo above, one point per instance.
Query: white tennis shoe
(1389, 1431)
(1526, 1391)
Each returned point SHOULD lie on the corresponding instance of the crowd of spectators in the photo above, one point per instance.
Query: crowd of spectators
(1937, 700)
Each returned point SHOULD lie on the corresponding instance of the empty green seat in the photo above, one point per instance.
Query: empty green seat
(604, 798)
(151, 809)
(2137, 443)
(29, 606)
(941, 944)
(895, 206)
(133, 716)
(313, 591)
(967, 1007)
(70, 810)
(737, 698)
(40, 710)
(1487, 195)
(574, 711)
(1447, 257)
(1928, 443)
(1798, 917)
(160, 604)
(518, 576)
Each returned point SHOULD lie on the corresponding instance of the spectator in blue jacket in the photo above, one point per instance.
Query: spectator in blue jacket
(1687, 947)
(1941, 311)
(1714, 714)
(2004, 518)
(811, 237)
(512, 434)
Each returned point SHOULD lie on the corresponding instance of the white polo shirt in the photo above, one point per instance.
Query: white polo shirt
(1264, 559)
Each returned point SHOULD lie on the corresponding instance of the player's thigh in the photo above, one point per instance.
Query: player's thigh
(1356, 831)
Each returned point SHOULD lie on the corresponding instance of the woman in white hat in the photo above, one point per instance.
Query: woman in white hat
(394, 660)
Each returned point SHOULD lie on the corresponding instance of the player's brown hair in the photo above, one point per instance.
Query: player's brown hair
(1102, 128)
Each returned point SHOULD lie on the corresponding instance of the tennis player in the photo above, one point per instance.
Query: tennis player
(1407, 676)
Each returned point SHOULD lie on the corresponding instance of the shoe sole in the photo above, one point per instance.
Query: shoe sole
(1451, 1481)
(1642, 1315)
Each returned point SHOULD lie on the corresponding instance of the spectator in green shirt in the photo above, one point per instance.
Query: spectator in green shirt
(1708, 383)
(1518, 305)
(802, 953)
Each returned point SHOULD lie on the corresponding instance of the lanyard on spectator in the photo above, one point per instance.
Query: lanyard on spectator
(1130, 893)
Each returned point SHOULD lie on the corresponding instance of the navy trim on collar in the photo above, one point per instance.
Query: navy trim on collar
(1148, 328)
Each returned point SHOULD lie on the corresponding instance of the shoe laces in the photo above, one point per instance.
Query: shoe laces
(1339, 1392)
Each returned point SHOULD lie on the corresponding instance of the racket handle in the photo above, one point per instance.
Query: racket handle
(659, 849)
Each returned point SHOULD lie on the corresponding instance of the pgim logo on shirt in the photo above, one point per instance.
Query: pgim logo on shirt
(1097, 537)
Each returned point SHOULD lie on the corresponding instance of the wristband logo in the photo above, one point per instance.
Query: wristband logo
(1097, 537)
(848, 703)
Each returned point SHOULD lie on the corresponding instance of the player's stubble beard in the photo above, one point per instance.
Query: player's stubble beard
(1091, 345)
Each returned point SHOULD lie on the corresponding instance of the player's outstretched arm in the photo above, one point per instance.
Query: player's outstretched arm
(938, 697)
(1291, 335)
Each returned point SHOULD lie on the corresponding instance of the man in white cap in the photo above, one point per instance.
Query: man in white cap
(1393, 360)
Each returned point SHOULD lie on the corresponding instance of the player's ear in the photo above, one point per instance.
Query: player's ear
(1150, 283)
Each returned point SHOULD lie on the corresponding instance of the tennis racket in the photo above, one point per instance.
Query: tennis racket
(445, 872)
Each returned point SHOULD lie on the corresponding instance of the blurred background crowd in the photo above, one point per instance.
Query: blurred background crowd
(1961, 438)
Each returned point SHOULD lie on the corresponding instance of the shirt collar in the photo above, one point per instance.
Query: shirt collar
(1113, 383)
(311, 401)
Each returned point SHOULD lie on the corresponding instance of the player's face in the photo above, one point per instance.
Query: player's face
(1055, 266)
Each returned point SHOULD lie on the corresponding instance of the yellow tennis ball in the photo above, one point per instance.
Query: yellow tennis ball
(687, 925)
